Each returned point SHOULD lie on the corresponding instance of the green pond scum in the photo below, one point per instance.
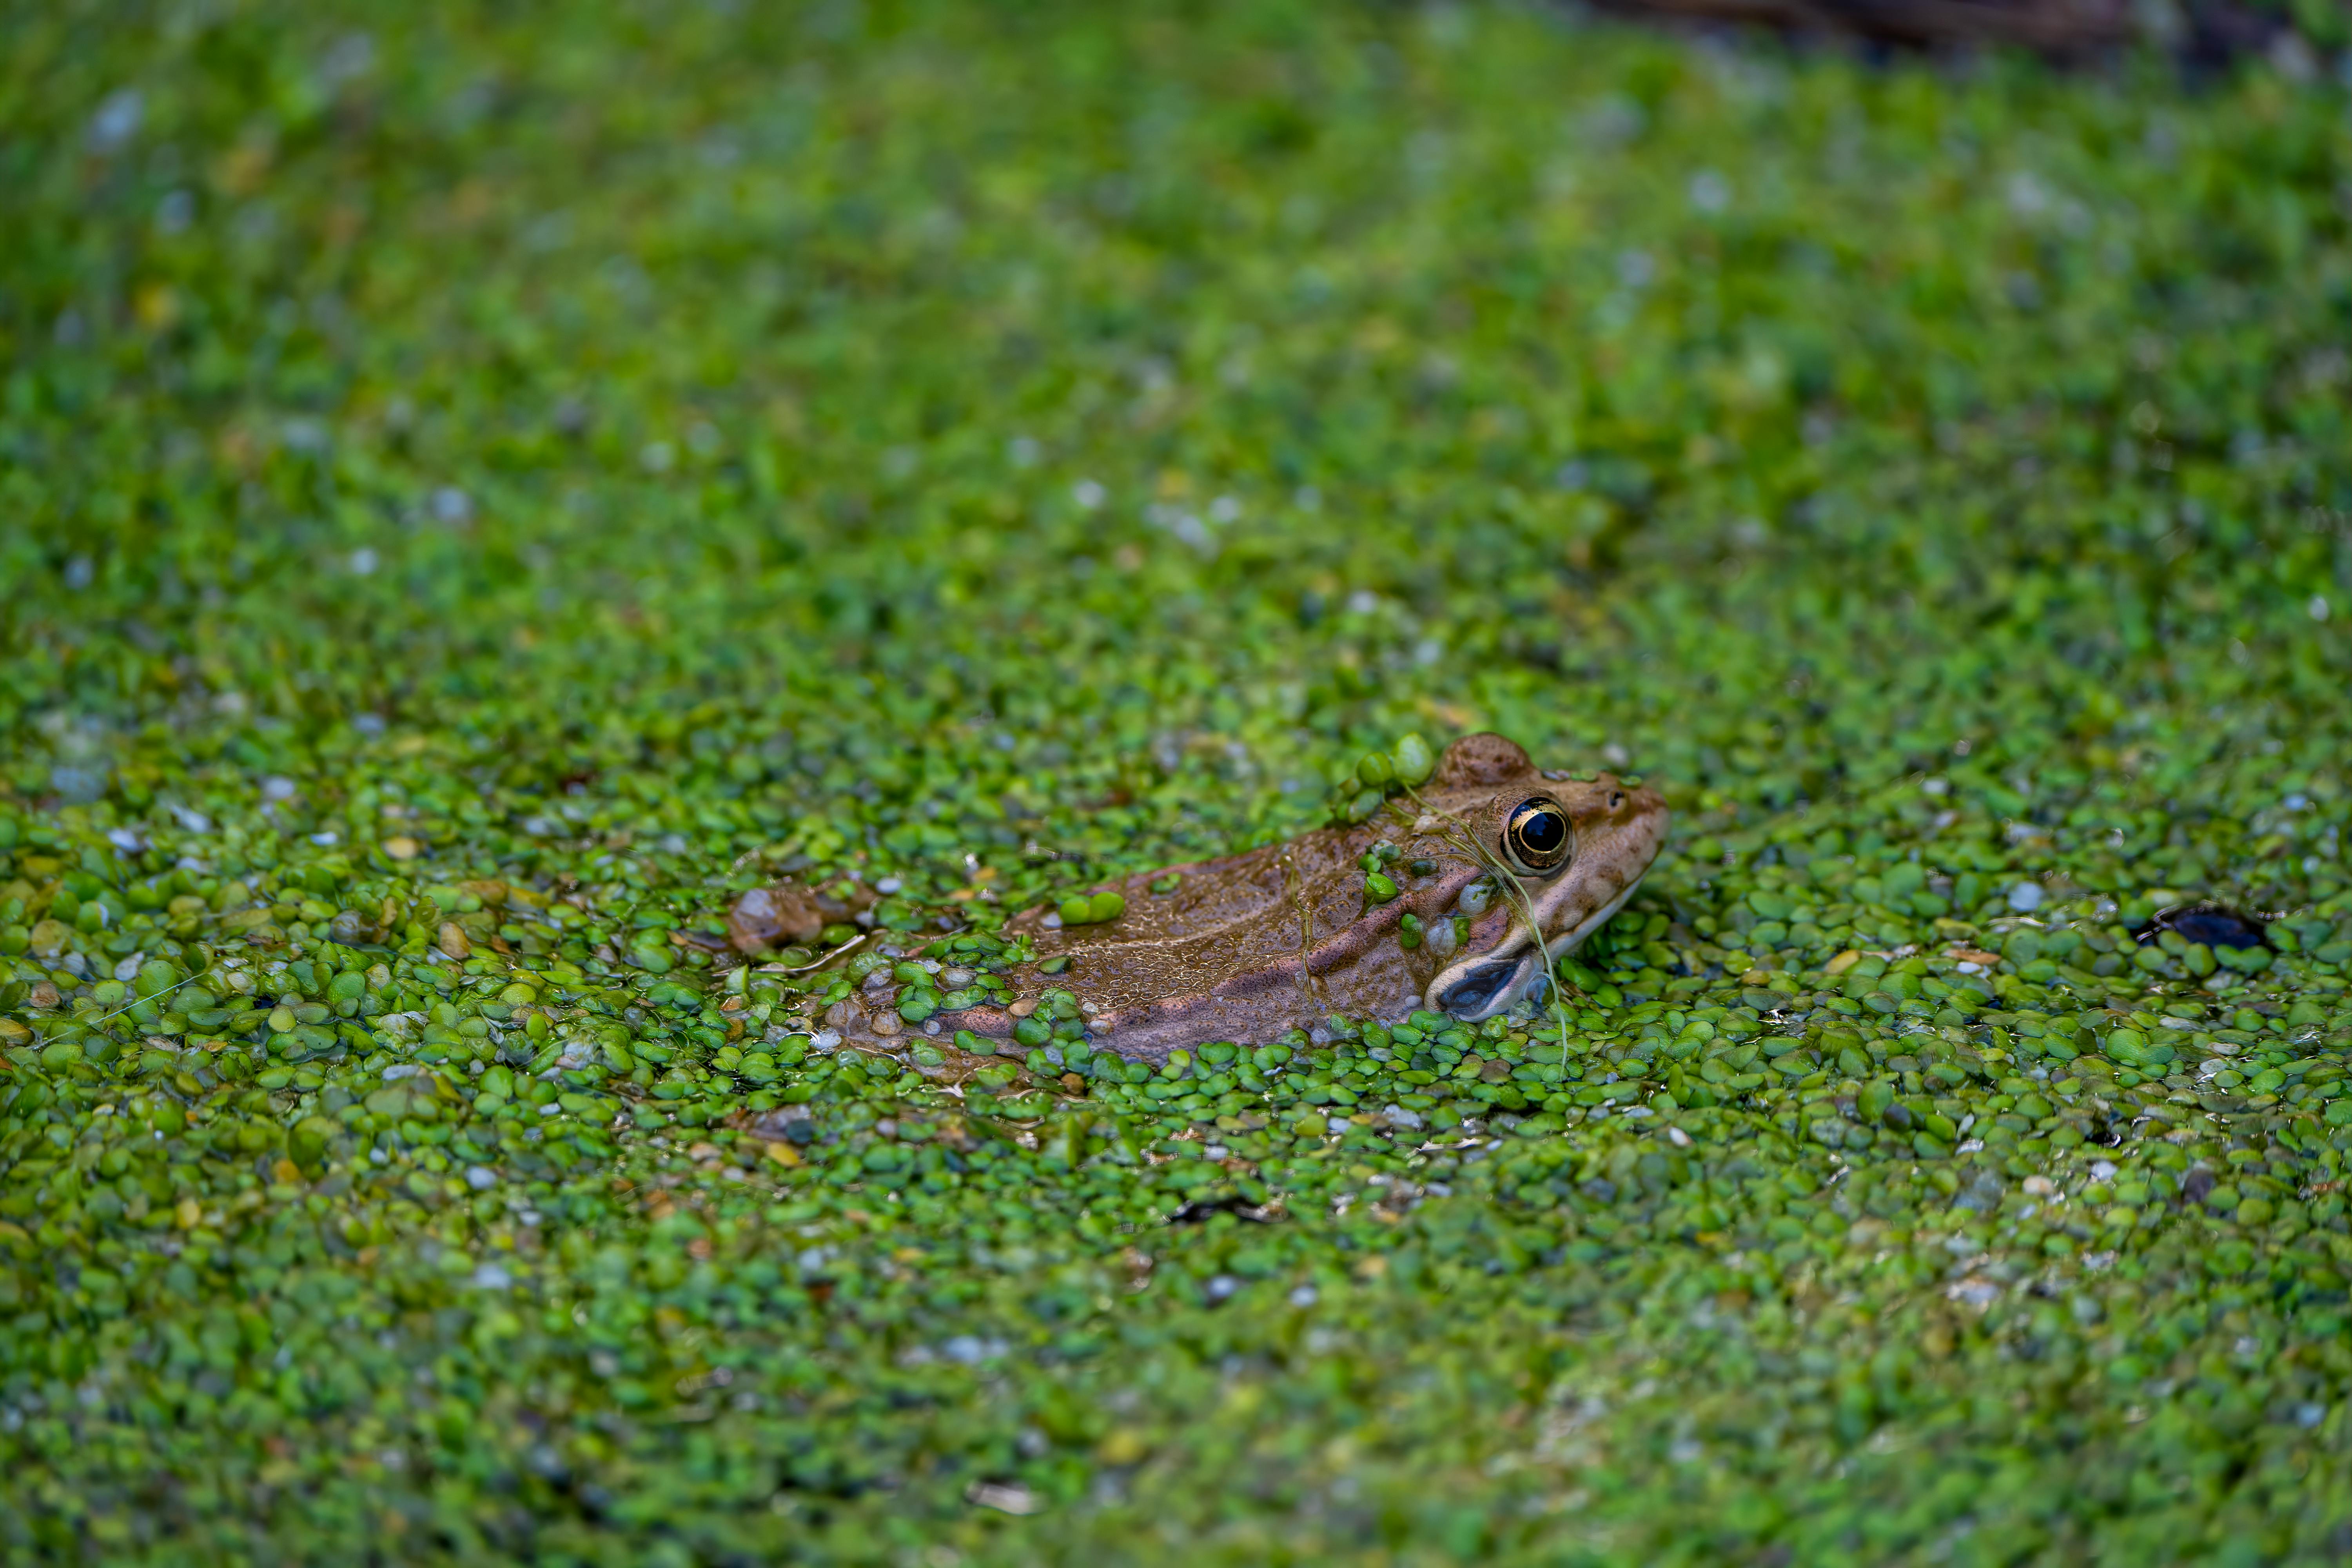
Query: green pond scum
(481, 489)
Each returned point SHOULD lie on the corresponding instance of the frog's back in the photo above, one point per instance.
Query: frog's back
(1243, 947)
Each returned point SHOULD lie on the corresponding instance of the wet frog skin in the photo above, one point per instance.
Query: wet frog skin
(1281, 937)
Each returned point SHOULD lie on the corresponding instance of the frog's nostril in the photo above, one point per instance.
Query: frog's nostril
(1475, 995)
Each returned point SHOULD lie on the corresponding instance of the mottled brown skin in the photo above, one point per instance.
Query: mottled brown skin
(786, 911)
(1248, 946)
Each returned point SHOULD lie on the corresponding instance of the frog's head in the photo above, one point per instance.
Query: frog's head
(1575, 848)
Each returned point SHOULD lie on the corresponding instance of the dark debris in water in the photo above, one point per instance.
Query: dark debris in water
(2210, 924)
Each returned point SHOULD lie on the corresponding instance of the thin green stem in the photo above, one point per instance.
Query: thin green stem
(1458, 834)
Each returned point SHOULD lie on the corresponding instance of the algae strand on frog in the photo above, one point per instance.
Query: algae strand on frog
(1247, 946)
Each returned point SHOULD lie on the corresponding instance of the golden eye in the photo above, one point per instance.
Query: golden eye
(1537, 836)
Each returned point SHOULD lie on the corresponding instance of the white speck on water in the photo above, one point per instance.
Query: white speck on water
(117, 119)
(176, 212)
(401, 1069)
(452, 507)
(971, 1350)
(1022, 451)
(481, 1178)
(549, 1109)
(126, 839)
(2318, 606)
(888, 885)
(825, 1040)
(657, 456)
(326, 839)
(2025, 898)
(276, 787)
(363, 562)
(1220, 1286)
(192, 821)
(1052, 922)
(1636, 268)
(350, 56)
(1363, 601)
(1224, 509)
(1305, 1296)
(128, 968)
(2103, 1170)
(491, 1277)
(1974, 1293)
(1614, 121)
(1011, 1497)
(1089, 495)
(1936, 787)
(301, 433)
(1709, 191)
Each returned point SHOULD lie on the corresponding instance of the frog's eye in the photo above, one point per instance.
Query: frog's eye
(1536, 837)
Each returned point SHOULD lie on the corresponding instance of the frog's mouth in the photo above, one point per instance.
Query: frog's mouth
(1482, 988)
(1489, 987)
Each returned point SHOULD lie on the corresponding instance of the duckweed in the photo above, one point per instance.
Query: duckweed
(484, 492)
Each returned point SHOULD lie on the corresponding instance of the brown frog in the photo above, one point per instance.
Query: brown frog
(1248, 946)
(789, 912)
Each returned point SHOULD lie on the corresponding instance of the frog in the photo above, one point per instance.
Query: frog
(1249, 946)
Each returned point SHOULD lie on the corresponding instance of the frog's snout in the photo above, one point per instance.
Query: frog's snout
(1487, 989)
